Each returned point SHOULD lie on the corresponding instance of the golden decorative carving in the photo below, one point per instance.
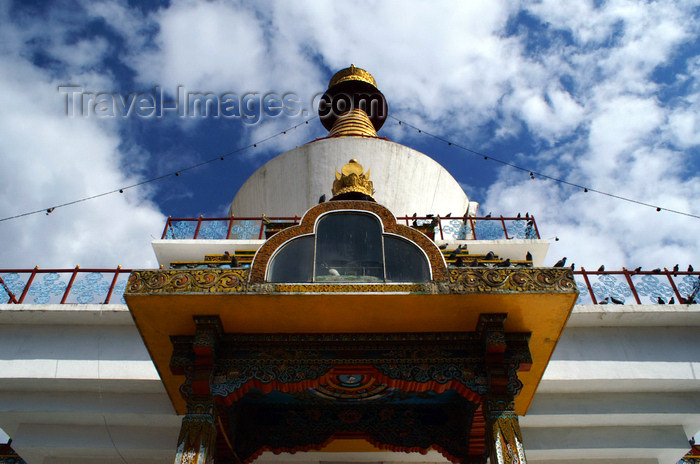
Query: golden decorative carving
(507, 441)
(352, 179)
(520, 280)
(185, 281)
(352, 74)
(503, 280)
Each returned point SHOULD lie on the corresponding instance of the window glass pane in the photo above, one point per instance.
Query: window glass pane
(404, 261)
(349, 248)
(294, 261)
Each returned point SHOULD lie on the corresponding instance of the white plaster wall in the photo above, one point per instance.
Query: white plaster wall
(77, 387)
(406, 181)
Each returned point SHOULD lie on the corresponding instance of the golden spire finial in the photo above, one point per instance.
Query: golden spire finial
(352, 179)
(352, 74)
(353, 105)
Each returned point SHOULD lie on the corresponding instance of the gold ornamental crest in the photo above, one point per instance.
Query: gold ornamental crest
(351, 178)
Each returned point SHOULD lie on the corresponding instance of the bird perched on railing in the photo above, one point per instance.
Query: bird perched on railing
(504, 263)
(561, 262)
(455, 252)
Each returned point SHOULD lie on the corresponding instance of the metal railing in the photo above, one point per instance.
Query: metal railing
(61, 286)
(637, 287)
(446, 228)
(102, 286)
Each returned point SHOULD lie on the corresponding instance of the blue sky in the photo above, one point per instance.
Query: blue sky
(602, 94)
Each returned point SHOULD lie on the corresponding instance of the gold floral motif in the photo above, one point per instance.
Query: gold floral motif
(188, 280)
(471, 280)
(462, 280)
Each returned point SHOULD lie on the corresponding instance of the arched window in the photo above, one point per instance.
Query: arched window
(349, 246)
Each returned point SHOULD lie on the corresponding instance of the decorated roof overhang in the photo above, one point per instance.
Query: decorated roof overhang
(536, 300)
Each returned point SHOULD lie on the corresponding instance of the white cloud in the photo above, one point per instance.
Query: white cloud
(48, 159)
(585, 96)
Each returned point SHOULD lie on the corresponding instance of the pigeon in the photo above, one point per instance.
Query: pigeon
(518, 216)
(448, 215)
(265, 220)
(527, 215)
(573, 267)
(690, 268)
(656, 271)
(616, 301)
(604, 302)
(675, 270)
(660, 300)
(459, 262)
(638, 270)
(49, 211)
(322, 199)
(672, 301)
(504, 263)
(443, 246)
(456, 251)
(415, 215)
(414, 223)
(601, 268)
(561, 262)
(475, 263)
(528, 256)
(333, 272)
(490, 255)
(488, 215)
(234, 261)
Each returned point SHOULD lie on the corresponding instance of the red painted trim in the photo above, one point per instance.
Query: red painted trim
(631, 284)
(588, 284)
(70, 284)
(7, 289)
(505, 229)
(111, 286)
(28, 284)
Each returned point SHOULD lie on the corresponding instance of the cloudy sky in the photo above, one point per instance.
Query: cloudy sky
(604, 94)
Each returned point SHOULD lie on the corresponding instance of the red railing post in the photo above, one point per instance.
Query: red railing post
(165, 231)
(9, 293)
(626, 273)
(111, 286)
(673, 285)
(534, 223)
(505, 229)
(28, 284)
(588, 284)
(442, 237)
(262, 227)
(473, 221)
(230, 225)
(199, 224)
(70, 284)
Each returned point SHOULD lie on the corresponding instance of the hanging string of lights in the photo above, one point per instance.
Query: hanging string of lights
(533, 174)
(177, 173)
